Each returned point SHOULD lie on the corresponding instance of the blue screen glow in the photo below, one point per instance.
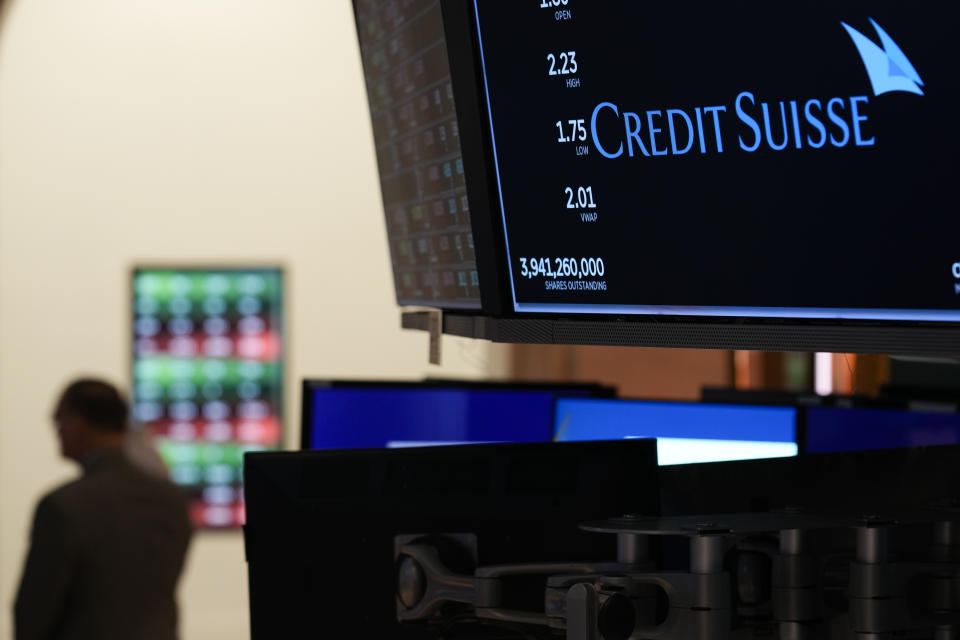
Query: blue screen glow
(686, 433)
(376, 417)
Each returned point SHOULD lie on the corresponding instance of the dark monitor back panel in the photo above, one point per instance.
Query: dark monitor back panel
(321, 525)
(830, 430)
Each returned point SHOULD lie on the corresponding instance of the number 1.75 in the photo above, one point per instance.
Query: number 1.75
(577, 131)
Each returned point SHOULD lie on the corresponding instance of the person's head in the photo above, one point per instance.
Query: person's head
(90, 415)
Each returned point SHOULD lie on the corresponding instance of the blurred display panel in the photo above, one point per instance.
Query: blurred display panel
(418, 152)
(686, 433)
(834, 429)
(208, 377)
(374, 415)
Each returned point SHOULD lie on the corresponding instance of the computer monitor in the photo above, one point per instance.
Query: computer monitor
(704, 176)
(208, 354)
(685, 432)
(321, 525)
(372, 415)
(417, 140)
(830, 430)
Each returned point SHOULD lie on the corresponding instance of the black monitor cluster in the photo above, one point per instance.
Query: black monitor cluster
(593, 541)
(741, 176)
(367, 533)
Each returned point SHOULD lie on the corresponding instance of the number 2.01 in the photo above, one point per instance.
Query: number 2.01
(582, 198)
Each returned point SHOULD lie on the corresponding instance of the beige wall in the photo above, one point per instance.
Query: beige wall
(185, 130)
(663, 374)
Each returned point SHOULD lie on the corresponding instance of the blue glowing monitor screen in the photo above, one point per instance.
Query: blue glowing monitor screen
(656, 158)
(377, 417)
(686, 433)
(835, 430)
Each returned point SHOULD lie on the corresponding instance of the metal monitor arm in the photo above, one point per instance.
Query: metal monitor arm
(619, 601)
(425, 585)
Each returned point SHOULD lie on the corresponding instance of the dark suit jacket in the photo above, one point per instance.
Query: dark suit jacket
(105, 556)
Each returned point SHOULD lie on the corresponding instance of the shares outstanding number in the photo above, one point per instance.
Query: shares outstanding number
(562, 268)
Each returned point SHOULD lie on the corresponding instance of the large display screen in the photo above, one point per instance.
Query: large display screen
(686, 433)
(397, 415)
(830, 430)
(417, 140)
(754, 158)
(208, 377)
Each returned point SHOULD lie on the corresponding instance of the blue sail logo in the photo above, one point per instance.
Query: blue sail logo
(888, 67)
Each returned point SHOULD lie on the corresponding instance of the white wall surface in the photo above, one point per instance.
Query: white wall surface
(182, 130)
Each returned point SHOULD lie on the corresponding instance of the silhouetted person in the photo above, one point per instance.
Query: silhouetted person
(107, 549)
